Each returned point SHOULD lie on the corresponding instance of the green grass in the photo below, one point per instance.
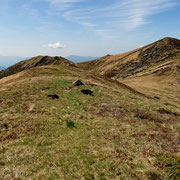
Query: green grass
(70, 124)
(78, 136)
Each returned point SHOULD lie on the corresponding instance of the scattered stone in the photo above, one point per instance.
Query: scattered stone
(78, 83)
(53, 96)
(87, 92)
(2, 163)
(156, 97)
(72, 65)
(31, 108)
(6, 126)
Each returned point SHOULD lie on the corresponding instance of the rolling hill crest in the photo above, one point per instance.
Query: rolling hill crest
(35, 62)
(136, 61)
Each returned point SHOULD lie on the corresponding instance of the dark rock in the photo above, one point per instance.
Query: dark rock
(87, 92)
(43, 61)
(2, 163)
(155, 97)
(71, 65)
(78, 83)
(6, 126)
(53, 96)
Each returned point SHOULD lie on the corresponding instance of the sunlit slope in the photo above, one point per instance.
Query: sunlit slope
(116, 134)
(153, 69)
(162, 80)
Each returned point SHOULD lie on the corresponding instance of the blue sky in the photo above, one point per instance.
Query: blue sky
(84, 27)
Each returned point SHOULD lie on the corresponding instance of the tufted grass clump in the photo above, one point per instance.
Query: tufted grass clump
(151, 175)
(70, 124)
(167, 111)
(145, 115)
(170, 163)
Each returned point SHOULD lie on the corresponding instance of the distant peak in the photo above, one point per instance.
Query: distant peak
(169, 42)
(36, 62)
(169, 39)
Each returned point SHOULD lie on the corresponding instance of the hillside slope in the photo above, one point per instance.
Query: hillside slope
(138, 60)
(153, 69)
(35, 62)
(115, 134)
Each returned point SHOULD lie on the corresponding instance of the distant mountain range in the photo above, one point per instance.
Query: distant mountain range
(77, 59)
(2, 68)
(6, 61)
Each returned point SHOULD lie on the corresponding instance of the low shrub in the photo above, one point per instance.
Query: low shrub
(70, 124)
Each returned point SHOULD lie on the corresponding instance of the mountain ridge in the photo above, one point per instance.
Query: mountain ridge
(156, 64)
(113, 64)
(35, 62)
(153, 69)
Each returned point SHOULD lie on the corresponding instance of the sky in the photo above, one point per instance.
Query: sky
(84, 27)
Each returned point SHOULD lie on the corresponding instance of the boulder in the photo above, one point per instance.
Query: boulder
(156, 97)
(87, 92)
(78, 83)
(53, 96)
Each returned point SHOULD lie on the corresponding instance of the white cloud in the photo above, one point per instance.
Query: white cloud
(124, 14)
(56, 45)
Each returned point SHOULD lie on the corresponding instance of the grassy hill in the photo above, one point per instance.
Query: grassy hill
(153, 69)
(35, 62)
(138, 60)
(119, 133)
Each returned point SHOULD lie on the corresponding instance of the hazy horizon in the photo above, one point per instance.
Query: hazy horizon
(6, 61)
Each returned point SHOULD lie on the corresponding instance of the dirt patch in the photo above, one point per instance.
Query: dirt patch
(103, 108)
